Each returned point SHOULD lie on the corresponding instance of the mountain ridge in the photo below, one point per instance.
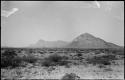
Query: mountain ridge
(49, 44)
(85, 40)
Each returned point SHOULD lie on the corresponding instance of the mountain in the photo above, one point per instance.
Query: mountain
(85, 40)
(49, 44)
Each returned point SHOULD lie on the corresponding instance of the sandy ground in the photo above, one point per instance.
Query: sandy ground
(84, 72)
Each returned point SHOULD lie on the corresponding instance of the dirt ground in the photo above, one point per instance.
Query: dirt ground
(57, 72)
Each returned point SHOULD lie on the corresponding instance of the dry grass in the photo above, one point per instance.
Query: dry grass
(53, 66)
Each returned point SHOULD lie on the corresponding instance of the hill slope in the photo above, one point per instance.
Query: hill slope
(85, 40)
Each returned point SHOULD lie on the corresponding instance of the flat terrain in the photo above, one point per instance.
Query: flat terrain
(61, 63)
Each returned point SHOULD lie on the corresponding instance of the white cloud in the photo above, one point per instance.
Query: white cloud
(98, 4)
(8, 13)
(82, 4)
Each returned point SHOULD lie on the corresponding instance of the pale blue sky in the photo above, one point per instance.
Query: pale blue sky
(52, 20)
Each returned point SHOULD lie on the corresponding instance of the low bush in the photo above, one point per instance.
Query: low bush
(108, 69)
(29, 59)
(10, 62)
(105, 60)
(101, 66)
(8, 59)
(54, 60)
(9, 53)
(71, 76)
(79, 55)
(15, 61)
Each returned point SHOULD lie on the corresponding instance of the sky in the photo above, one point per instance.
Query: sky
(25, 22)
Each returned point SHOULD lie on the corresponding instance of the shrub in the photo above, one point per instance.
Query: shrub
(10, 62)
(101, 66)
(105, 60)
(8, 59)
(15, 61)
(9, 53)
(79, 54)
(108, 69)
(54, 60)
(71, 76)
(29, 59)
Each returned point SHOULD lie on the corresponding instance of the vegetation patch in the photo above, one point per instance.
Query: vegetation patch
(71, 76)
(54, 60)
(10, 59)
(105, 59)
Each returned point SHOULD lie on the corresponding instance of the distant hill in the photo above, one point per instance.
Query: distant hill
(85, 40)
(49, 44)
